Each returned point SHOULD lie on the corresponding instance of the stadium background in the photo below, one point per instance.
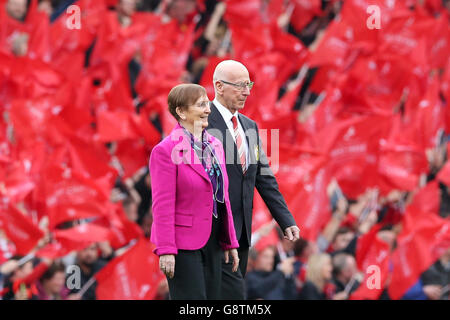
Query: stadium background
(363, 122)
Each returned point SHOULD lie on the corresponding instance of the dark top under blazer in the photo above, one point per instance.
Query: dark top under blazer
(241, 187)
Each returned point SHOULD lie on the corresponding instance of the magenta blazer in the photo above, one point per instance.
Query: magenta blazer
(182, 196)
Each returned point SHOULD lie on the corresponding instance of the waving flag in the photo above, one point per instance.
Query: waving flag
(131, 276)
(20, 229)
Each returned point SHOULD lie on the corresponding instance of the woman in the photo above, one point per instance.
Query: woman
(318, 274)
(192, 220)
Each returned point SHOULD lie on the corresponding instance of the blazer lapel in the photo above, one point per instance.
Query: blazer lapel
(251, 143)
(188, 155)
(217, 122)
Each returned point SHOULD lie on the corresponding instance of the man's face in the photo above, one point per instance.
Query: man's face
(265, 260)
(234, 97)
(350, 268)
(342, 241)
(180, 9)
(127, 7)
(327, 269)
(89, 255)
(16, 9)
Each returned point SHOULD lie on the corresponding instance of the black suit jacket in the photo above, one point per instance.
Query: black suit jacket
(258, 174)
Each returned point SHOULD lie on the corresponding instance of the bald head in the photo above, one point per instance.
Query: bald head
(227, 75)
(226, 69)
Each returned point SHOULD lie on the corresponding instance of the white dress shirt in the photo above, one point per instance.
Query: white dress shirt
(227, 116)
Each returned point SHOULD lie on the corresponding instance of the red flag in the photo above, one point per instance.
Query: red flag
(402, 160)
(123, 230)
(428, 116)
(53, 250)
(375, 266)
(334, 47)
(20, 229)
(311, 207)
(69, 195)
(131, 276)
(261, 216)
(207, 75)
(17, 181)
(132, 155)
(363, 246)
(303, 182)
(249, 42)
(427, 199)
(304, 12)
(243, 13)
(444, 174)
(79, 237)
(417, 249)
(353, 146)
(114, 126)
(146, 129)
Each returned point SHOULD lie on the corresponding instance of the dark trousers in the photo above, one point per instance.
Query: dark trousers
(198, 272)
(233, 283)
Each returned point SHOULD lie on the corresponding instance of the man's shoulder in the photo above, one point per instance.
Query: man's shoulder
(249, 122)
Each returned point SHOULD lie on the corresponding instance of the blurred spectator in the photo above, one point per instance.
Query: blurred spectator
(52, 284)
(318, 275)
(436, 279)
(21, 283)
(266, 283)
(46, 6)
(90, 263)
(344, 273)
(303, 249)
(343, 238)
(181, 10)
(146, 224)
(17, 9)
(131, 208)
(125, 10)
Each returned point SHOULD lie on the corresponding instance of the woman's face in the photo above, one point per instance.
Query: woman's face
(196, 115)
(56, 283)
(327, 269)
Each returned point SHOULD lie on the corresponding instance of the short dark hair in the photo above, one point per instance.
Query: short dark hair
(182, 96)
(299, 247)
(56, 266)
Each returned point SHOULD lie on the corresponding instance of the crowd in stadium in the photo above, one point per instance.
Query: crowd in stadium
(363, 121)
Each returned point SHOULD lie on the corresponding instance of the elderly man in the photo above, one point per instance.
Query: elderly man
(247, 167)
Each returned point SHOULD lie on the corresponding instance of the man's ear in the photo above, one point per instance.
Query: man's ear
(219, 86)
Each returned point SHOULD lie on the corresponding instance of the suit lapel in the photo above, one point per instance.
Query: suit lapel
(251, 143)
(216, 121)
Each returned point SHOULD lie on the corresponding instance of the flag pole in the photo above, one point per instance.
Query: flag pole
(25, 259)
(86, 286)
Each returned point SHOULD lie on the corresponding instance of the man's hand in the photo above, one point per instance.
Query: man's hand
(432, 291)
(9, 267)
(167, 265)
(287, 266)
(340, 296)
(234, 255)
(292, 233)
